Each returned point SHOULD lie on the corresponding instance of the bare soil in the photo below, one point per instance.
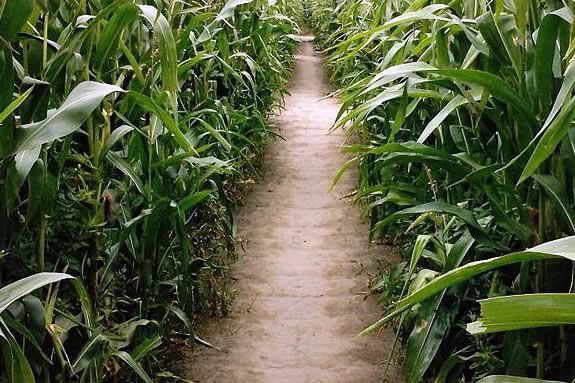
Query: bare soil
(300, 282)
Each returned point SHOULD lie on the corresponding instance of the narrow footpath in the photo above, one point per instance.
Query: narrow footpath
(300, 284)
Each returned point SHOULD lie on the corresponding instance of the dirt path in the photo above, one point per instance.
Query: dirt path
(299, 300)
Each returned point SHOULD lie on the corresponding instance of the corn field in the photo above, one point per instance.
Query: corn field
(128, 128)
(462, 114)
(131, 129)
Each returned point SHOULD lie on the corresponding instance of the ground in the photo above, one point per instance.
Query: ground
(301, 278)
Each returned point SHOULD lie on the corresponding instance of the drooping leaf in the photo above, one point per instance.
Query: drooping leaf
(119, 163)
(229, 8)
(150, 105)
(441, 207)
(24, 286)
(79, 104)
(167, 45)
(558, 248)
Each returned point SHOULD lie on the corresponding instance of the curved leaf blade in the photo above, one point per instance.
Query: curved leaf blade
(79, 104)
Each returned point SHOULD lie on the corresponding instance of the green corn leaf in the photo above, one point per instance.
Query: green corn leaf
(499, 88)
(192, 200)
(37, 187)
(229, 8)
(420, 243)
(556, 192)
(455, 103)
(400, 115)
(559, 103)
(556, 131)
(115, 137)
(487, 26)
(427, 13)
(562, 96)
(341, 171)
(79, 104)
(151, 106)
(564, 248)
(54, 46)
(519, 312)
(185, 66)
(217, 135)
(182, 316)
(396, 71)
(451, 363)
(17, 173)
(109, 40)
(411, 152)
(425, 339)
(15, 104)
(6, 95)
(459, 251)
(18, 368)
(25, 332)
(145, 347)
(132, 60)
(84, 360)
(430, 325)
(14, 17)
(499, 34)
(121, 164)
(445, 208)
(545, 51)
(35, 107)
(360, 113)
(24, 286)
(167, 45)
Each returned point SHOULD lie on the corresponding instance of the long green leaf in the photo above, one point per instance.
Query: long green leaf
(24, 286)
(564, 247)
(150, 105)
(545, 51)
(519, 312)
(167, 45)
(15, 104)
(109, 40)
(440, 207)
(79, 104)
(135, 366)
(17, 366)
(556, 131)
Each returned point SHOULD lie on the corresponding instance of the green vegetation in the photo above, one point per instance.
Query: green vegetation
(463, 111)
(128, 128)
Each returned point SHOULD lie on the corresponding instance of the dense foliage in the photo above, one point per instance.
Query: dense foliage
(464, 113)
(127, 129)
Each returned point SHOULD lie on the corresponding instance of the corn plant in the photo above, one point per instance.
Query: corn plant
(464, 115)
(126, 128)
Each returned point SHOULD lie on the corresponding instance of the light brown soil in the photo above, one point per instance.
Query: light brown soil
(300, 283)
